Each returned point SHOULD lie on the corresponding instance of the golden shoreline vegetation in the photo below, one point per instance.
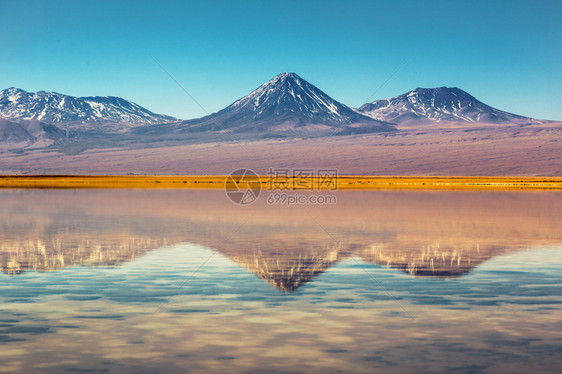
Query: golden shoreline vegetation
(288, 183)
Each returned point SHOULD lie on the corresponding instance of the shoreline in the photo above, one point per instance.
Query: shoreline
(288, 183)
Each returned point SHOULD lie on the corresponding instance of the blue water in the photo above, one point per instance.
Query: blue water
(86, 288)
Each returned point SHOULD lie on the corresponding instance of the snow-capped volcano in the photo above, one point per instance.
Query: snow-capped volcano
(52, 107)
(288, 95)
(439, 105)
(287, 105)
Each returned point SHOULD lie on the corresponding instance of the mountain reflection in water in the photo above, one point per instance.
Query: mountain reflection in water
(422, 233)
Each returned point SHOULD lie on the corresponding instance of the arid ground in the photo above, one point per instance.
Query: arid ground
(478, 151)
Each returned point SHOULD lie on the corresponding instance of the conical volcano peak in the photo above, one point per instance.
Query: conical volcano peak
(288, 97)
(288, 105)
(285, 76)
(284, 79)
(287, 92)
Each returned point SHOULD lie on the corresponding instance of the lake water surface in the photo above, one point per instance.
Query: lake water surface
(175, 281)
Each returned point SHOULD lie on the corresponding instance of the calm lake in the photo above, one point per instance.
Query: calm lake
(176, 281)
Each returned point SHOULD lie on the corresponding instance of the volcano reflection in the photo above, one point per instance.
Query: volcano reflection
(436, 234)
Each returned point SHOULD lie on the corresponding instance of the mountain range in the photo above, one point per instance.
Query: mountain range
(287, 106)
(69, 111)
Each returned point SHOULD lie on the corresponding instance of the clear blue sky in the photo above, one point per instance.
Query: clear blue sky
(506, 53)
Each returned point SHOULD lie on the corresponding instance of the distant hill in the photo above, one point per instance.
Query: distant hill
(31, 132)
(439, 105)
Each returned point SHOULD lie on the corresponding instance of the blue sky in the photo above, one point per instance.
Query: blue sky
(506, 53)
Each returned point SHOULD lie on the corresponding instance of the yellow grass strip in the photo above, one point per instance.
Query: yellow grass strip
(279, 183)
